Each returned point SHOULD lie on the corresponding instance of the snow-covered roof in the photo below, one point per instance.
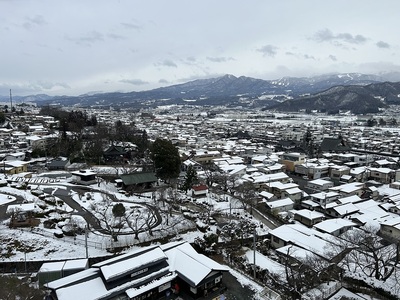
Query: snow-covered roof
(348, 208)
(266, 178)
(83, 173)
(21, 207)
(76, 277)
(348, 187)
(295, 252)
(381, 170)
(193, 266)
(266, 195)
(358, 170)
(283, 186)
(371, 213)
(306, 238)
(264, 262)
(325, 195)
(320, 182)
(350, 199)
(114, 270)
(310, 203)
(280, 203)
(76, 264)
(177, 259)
(232, 169)
(392, 222)
(52, 267)
(293, 191)
(15, 163)
(309, 214)
(333, 225)
(133, 292)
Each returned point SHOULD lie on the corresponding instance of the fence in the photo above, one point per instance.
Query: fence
(323, 292)
(68, 239)
(269, 294)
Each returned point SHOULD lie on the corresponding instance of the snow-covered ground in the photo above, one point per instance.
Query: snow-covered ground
(25, 244)
(47, 246)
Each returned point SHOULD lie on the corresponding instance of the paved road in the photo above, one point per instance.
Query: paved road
(65, 196)
(3, 208)
(264, 219)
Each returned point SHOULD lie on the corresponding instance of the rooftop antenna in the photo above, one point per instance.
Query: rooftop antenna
(11, 100)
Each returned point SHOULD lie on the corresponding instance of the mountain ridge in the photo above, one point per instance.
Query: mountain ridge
(245, 91)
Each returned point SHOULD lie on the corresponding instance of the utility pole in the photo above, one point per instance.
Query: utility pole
(254, 253)
(86, 242)
(25, 263)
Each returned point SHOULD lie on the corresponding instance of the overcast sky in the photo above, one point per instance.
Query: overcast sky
(72, 47)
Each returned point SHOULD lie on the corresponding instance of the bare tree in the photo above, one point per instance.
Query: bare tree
(300, 274)
(211, 175)
(103, 211)
(367, 253)
(139, 219)
(173, 195)
(161, 194)
(246, 194)
(237, 230)
(135, 221)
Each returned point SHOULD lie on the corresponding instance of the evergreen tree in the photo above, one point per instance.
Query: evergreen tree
(308, 143)
(118, 210)
(166, 159)
(190, 178)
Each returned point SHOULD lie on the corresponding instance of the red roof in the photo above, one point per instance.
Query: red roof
(201, 187)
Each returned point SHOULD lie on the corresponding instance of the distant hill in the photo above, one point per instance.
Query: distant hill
(230, 90)
(356, 99)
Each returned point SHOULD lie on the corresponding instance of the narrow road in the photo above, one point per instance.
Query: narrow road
(263, 218)
(65, 196)
(91, 220)
(3, 208)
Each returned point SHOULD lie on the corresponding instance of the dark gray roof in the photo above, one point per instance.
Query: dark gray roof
(138, 178)
(334, 144)
(58, 163)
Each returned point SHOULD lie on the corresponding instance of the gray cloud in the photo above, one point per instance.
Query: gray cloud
(116, 36)
(190, 61)
(220, 59)
(163, 81)
(382, 44)
(167, 63)
(47, 85)
(299, 55)
(134, 81)
(31, 22)
(332, 57)
(87, 39)
(268, 50)
(306, 56)
(31, 87)
(327, 35)
(131, 26)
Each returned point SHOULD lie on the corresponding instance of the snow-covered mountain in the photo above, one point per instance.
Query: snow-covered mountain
(224, 90)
